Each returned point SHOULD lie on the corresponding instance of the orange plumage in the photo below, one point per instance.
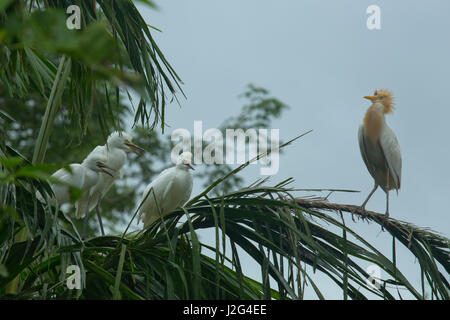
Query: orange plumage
(379, 146)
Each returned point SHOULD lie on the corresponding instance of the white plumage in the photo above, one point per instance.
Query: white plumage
(83, 176)
(170, 190)
(115, 152)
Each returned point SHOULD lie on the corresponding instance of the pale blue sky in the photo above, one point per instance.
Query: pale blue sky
(320, 59)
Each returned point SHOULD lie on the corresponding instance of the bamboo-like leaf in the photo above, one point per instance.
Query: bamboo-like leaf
(50, 111)
(116, 292)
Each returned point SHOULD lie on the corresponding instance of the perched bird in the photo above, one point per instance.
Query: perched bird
(84, 176)
(115, 152)
(379, 147)
(170, 190)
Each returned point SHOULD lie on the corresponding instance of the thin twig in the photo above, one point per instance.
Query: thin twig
(404, 227)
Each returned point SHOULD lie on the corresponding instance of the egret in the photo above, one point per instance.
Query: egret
(170, 190)
(379, 147)
(115, 151)
(84, 176)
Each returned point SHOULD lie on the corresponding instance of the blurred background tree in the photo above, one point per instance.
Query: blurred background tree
(63, 91)
(67, 145)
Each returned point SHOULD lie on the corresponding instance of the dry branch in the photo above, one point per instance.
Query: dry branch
(404, 231)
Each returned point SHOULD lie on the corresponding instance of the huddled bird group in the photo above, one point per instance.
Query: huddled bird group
(378, 144)
(98, 171)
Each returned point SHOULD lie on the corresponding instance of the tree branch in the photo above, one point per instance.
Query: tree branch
(404, 231)
(325, 205)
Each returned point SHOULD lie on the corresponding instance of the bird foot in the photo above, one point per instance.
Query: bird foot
(363, 213)
(385, 220)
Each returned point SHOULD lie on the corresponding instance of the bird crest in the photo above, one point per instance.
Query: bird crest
(385, 97)
(119, 134)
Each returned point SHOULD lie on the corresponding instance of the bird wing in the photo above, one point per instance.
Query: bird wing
(166, 193)
(363, 147)
(146, 202)
(105, 181)
(64, 175)
(60, 173)
(60, 191)
(153, 203)
(82, 205)
(164, 172)
(178, 190)
(391, 150)
(99, 189)
(188, 191)
(99, 149)
(75, 179)
(103, 184)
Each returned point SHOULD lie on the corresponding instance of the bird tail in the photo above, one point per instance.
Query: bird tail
(139, 218)
(149, 219)
(81, 206)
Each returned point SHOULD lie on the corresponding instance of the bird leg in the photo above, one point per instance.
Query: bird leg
(83, 236)
(387, 204)
(86, 216)
(363, 206)
(386, 216)
(99, 216)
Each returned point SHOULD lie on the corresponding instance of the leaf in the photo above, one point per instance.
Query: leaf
(11, 162)
(20, 255)
(7, 116)
(3, 271)
(4, 4)
(116, 292)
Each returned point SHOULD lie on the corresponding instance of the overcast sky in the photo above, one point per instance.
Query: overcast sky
(320, 59)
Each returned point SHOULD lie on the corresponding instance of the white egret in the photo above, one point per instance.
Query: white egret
(115, 151)
(84, 176)
(170, 190)
(379, 147)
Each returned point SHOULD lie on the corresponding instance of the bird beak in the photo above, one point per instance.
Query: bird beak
(132, 145)
(371, 98)
(189, 166)
(103, 167)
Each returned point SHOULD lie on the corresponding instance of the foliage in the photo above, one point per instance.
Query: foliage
(114, 48)
(168, 261)
(27, 113)
(291, 240)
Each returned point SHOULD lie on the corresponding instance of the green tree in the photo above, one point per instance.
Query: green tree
(80, 76)
(21, 127)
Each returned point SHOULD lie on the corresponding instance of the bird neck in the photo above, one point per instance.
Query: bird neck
(116, 151)
(182, 166)
(90, 166)
(112, 145)
(374, 121)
